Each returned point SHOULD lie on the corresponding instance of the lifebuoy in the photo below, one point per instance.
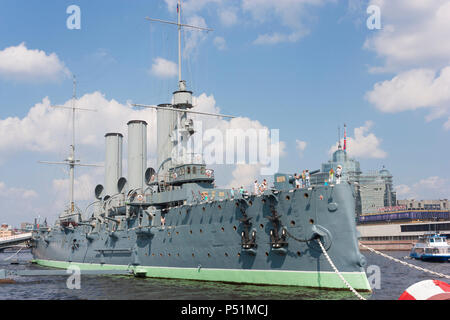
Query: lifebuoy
(208, 173)
(140, 197)
(427, 290)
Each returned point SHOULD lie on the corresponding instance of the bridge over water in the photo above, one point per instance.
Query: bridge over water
(11, 241)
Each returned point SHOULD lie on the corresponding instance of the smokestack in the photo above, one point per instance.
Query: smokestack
(113, 162)
(137, 153)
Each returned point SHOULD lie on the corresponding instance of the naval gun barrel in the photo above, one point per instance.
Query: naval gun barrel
(112, 219)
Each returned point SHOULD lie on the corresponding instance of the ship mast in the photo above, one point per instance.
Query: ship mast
(71, 161)
(179, 25)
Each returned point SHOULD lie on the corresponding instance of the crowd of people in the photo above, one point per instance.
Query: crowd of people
(302, 180)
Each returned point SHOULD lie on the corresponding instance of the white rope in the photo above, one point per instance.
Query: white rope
(405, 263)
(338, 273)
(13, 254)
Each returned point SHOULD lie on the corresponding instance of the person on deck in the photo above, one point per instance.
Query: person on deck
(338, 174)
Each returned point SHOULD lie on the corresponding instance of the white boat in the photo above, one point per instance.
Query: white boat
(431, 247)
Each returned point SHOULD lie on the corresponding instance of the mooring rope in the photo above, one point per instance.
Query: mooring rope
(404, 263)
(6, 259)
(337, 271)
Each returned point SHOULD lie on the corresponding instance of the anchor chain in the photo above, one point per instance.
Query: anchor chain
(337, 271)
(405, 263)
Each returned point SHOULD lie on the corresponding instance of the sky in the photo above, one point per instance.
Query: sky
(300, 67)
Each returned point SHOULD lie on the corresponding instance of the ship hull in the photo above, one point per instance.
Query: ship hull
(203, 241)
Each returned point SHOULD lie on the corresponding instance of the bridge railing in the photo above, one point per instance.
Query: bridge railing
(23, 236)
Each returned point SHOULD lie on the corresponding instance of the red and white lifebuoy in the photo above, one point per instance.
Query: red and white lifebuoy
(427, 290)
(208, 173)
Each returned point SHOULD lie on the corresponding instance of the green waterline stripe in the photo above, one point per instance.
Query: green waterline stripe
(357, 280)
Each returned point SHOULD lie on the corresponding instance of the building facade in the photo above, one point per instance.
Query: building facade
(424, 204)
(373, 190)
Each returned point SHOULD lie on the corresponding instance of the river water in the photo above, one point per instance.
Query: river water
(391, 277)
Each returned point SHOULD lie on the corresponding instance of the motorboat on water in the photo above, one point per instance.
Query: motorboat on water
(431, 247)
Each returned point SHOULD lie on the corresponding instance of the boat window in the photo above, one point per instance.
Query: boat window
(188, 170)
(194, 170)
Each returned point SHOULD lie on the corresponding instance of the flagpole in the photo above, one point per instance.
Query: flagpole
(179, 41)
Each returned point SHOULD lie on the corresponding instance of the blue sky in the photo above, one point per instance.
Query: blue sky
(303, 67)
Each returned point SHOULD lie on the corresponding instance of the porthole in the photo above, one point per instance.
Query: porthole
(226, 254)
(261, 226)
(219, 207)
(203, 208)
(209, 255)
(190, 231)
(306, 195)
(239, 254)
(234, 228)
(288, 198)
(311, 221)
(250, 202)
(201, 231)
(267, 254)
(292, 223)
(298, 253)
(193, 255)
(223, 229)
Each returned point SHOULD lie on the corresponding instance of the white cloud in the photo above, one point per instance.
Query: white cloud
(414, 89)
(433, 187)
(290, 14)
(194, 37)
(228, 16)
(414, 32)
(220, 43)
(164, 68)
(301, 146)
(364, 144)
(19, 193)
(46, 129)
(22, 64)
(414, 44)
(244, 175)
(276, 37)
(83, 186)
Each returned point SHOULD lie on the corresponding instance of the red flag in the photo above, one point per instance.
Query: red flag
(345, 137)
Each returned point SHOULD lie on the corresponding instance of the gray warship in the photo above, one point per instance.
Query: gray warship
(172, 222)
